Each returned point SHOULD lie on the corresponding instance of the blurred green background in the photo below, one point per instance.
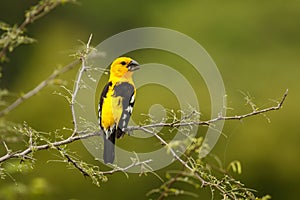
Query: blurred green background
(255, 44)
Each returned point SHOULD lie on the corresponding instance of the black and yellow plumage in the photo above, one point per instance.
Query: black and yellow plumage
(116, 104)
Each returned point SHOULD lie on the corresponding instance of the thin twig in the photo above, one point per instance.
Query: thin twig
(38, 88)
(77, 84)
(254, 112)
(185, 164)
(30, 142)
(124, 169)
(6, 147)
(84, 171)
(73, 162)
(173, 180)
(211, 121)
(20, 154)
(172, 151)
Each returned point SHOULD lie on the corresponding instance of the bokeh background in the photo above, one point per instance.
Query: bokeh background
(255, 44)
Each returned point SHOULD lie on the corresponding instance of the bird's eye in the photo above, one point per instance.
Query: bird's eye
(123, 63)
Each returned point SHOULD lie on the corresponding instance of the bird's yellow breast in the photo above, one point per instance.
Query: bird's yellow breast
(111, 109)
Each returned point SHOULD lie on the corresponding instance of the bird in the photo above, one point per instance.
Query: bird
(116, 104)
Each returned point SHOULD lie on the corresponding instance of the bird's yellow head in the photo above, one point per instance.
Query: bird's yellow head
(123, 66)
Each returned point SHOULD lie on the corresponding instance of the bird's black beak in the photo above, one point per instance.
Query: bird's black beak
(133, 65)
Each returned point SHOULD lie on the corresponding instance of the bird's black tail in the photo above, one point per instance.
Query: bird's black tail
(109, 148)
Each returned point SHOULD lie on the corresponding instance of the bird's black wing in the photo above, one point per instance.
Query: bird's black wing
(126, 91)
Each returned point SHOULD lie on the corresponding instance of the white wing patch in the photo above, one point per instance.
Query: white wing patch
(132, 99)
(129, 109)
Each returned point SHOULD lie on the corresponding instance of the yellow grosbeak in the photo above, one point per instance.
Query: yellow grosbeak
(116, 104)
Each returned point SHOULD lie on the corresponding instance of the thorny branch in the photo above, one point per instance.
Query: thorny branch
(124, 169)
(83, 135)
(23, 153)
(211, 121)
(72, 161)
(93, 171)
(185, 164)
(77, 82)
(85, 172)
